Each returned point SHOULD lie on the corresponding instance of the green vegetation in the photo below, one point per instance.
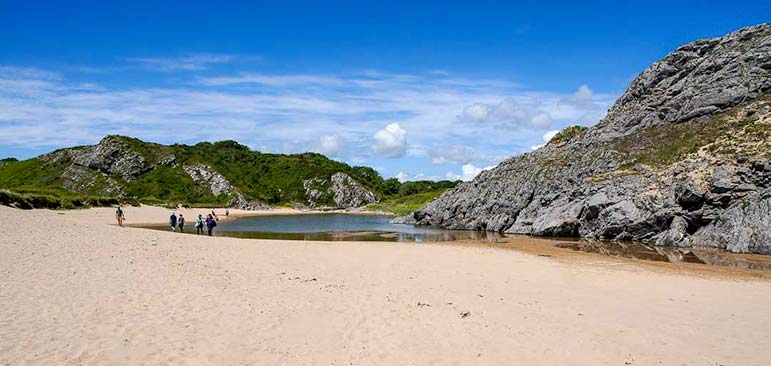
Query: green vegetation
(392, 187)
(57, 200)
(665, 144)
(402, 205)
(567, 134)
(275, 179)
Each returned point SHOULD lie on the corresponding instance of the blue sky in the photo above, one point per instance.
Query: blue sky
(415, 89)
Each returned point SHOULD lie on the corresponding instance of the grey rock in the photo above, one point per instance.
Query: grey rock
(218, 185)
(112, 156)
(203, 174)
(581, 188)
(698, 79)
(723, 180)
(676, 235)
(349, 193)
(743, 227)
(406, 219)
(342, 190)
(689, 196)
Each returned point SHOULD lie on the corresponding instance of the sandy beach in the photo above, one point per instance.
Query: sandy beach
(76, 289)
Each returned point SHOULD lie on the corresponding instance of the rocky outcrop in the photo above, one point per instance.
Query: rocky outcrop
(203, 174)
(347, 193)
(340, 191)
(681, 159)
(219, 185)
(698, 79)
(96, 168)
(112, 156)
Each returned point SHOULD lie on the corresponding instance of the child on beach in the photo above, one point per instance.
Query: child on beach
(120, 216)
(181, 223)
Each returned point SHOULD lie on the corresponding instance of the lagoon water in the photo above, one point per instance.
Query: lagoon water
(333, 226)
(359, 227)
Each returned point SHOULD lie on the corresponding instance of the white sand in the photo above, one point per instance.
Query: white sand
(76, 290)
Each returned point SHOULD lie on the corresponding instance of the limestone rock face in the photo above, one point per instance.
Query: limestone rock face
(339, 191)
(99, 165)
(681, 159)
(202, 174)
(701, 78)
(218, 184)
(112, 156)
(349, 193)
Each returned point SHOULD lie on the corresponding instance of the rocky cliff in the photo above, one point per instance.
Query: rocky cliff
(682, 158)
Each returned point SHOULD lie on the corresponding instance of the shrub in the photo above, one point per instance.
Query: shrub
(567, 134)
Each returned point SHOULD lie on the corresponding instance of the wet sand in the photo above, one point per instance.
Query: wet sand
(76, 289)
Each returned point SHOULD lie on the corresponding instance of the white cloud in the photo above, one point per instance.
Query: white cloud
(193, 62)
(456, 153)
(477, 112)
(541, 121)
(405, 177)
(468, 172)
(391, 142)
(583, 93)
(328, 145)
(22, 73)
(509, 112)
(538, 111)
(273, 80)
(546, 138)
(41, 110)
(550, 135)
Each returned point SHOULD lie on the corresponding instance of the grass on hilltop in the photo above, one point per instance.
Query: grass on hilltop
(403, 205)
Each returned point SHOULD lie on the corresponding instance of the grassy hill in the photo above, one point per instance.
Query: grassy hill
(202, 174)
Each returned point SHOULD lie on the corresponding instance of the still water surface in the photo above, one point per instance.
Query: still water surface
(352, 227)
(348, 227)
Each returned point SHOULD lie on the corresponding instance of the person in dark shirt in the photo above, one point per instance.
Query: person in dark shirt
(210, 224)
(120, 216)
(173, 222)
(181, 223)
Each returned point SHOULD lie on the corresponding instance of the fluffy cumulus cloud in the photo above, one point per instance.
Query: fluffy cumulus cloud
(328, 145)
(477, 112)
(582, 98)
(538, 111)
(455, 153)
(546, 138)
(402, 176)
(468, 172)
(510, 113)
(391, 141)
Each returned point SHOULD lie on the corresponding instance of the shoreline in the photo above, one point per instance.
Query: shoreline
(532, 245)
(234, 213)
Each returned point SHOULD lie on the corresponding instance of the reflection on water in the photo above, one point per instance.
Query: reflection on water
(670, 254)
(446, 235)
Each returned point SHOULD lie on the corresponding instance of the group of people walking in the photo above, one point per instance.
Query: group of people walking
(178, 222)
(210, 222)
